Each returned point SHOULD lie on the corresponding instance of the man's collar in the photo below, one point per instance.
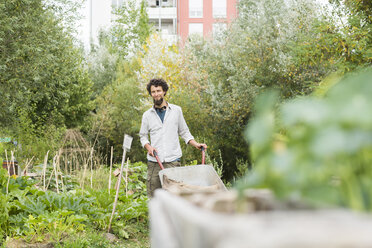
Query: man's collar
(161, 108)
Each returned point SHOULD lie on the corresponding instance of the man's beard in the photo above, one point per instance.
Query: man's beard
(158, 102)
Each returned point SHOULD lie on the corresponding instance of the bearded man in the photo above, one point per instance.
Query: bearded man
(165, 123)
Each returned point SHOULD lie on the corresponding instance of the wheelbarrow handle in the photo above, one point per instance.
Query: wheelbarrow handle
(157, 159)
(203, 154)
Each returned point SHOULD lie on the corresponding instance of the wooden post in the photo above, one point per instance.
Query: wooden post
(24, 173)
(12, 161)
(55, 171)
(44, 169)
(117, 190)
(126, 179)
(91, 168)
(109, 186)
(7, 185)
(126, 146)
(59, 168)
(83, 178)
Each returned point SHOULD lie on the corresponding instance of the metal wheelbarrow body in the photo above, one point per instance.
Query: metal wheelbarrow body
(195, 175)
(198, 175)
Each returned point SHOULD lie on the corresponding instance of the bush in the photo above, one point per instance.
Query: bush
(316, 149)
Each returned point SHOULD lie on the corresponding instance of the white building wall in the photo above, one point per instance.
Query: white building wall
(97, 15)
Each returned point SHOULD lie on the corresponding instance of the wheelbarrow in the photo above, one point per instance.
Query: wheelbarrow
(195, 177)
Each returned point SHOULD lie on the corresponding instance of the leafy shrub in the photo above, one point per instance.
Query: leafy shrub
(316, 149)
(48, 87)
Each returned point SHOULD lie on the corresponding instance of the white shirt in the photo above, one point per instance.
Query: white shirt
(164, 135)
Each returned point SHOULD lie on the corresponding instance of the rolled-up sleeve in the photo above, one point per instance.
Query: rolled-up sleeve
(144, 131)
(183, 129)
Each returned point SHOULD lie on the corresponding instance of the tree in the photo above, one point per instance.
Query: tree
(66, 13)
(340, 40)
(102, 65)
(42, 78)
(255, 53)
(119, 111)
(355, 47)
(130, 29)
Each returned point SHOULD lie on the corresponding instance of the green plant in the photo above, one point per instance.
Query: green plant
(119, 111)
(53, 226)
(3, 214)
(38, 216)
(91, 238)
(130, 29)
(65, 182)
(242, 168)
(316, 149)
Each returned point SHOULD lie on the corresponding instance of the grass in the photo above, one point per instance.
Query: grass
(98, 239)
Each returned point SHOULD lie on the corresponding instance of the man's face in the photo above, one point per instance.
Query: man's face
(157, 94)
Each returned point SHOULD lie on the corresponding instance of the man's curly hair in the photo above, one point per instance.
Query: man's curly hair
(157, 82)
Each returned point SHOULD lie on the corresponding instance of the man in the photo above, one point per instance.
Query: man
(164, 122)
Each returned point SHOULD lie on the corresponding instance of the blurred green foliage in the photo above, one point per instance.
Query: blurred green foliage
(316, 149)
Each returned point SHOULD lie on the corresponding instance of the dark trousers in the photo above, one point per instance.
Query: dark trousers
(153, 180)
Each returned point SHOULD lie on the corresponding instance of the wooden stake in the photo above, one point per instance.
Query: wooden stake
(117, 190)
(55, 170)
(44, 169)
(50, 178)
(83, 179)
(12, 161)
(91, 168)
(109, 186)
(126, 179)
(7, 185)
(27, 164)
(59, 169)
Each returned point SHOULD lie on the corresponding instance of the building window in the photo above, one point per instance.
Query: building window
(219, 8)
(195, 8)
(152, 3)
(218, 29)
(162, 3)
(165, 3)
(196, 28)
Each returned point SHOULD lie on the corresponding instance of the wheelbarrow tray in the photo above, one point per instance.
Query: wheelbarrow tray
(198, 175)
